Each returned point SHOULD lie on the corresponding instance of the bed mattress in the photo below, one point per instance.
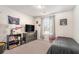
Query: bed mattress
(64, 45)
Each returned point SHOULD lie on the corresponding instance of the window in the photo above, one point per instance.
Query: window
(48, 25)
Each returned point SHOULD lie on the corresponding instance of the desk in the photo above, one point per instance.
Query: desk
(16, 41)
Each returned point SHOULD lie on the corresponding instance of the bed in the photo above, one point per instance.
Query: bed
(64, 45)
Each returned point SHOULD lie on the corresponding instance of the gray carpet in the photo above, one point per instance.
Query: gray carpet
(34, 47)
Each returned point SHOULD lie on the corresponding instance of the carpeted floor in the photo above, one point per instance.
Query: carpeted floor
(34, 47)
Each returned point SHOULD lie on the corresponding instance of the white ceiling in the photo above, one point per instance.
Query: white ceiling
(48, 9)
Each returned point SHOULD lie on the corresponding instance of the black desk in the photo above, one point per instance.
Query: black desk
(16, 41)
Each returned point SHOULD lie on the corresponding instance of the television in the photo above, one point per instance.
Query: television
(29, 28)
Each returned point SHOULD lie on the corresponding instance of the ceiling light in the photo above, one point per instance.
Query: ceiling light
(40, 6)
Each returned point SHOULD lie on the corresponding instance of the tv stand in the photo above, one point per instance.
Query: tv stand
(30, 36)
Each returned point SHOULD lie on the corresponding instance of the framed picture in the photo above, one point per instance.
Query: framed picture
(13, 20)
(63, 21)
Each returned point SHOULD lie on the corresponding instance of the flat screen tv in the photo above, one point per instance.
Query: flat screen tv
(29, 28)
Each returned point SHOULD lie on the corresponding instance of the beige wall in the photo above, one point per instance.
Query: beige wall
(37, 27)
(76, 23)
(64, 30)
(4, 13)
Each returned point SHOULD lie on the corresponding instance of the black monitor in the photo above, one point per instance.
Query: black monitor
(29, 28)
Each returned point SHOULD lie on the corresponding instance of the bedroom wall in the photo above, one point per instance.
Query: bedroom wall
(37, 27)
(76, 23)
(4, 26)
(67, 30)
